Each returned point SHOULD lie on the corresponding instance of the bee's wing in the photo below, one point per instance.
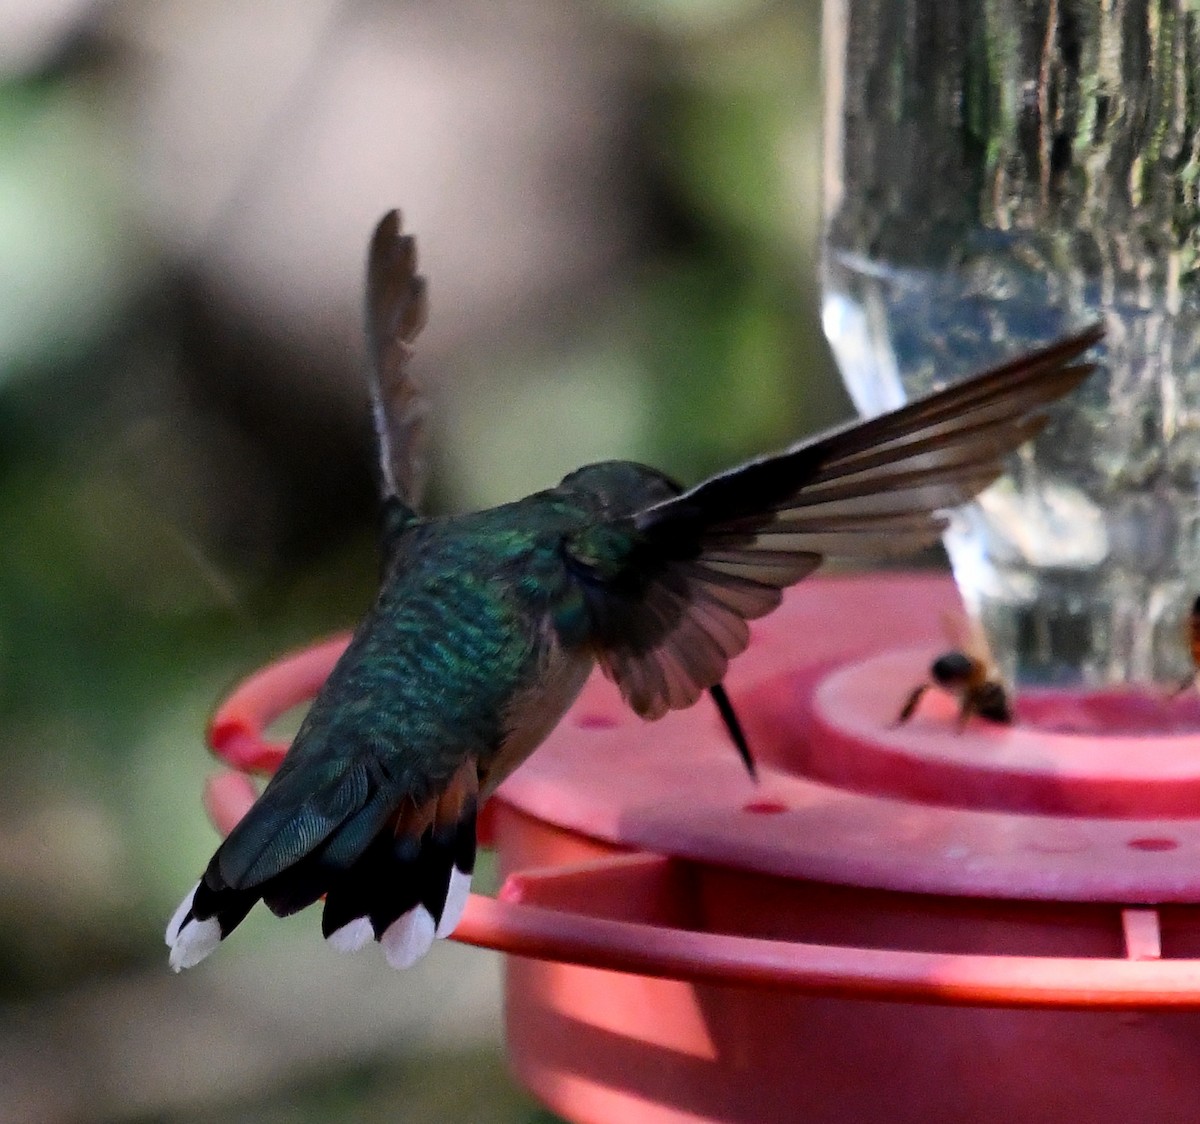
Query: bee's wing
(396, 308)
(667, 605)
(966, 634)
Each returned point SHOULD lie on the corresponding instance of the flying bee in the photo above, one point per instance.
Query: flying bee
(969, 673)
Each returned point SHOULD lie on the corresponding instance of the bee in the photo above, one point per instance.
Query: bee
(969, 673)
(1193, 640)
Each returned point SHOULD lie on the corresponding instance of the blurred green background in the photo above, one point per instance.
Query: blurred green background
(617, 207)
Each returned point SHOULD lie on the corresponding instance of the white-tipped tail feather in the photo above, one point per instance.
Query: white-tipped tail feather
(409, 938)
(189, 939)
(404, 942)
(352, 936)
(406, 889)
(456, 902)
(179, 916)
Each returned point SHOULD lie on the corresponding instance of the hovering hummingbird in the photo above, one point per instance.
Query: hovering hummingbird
(486, 625)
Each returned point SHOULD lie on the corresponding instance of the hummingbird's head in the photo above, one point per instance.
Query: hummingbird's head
(617, 488)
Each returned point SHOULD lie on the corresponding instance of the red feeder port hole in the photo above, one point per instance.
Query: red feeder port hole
(993, 926)
(766, 807)
(1154, 843)
(596, 722)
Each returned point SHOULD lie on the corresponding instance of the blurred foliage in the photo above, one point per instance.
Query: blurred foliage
(70, 255)
(168, 525)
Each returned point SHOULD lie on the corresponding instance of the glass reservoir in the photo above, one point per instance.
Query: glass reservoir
(998, 173)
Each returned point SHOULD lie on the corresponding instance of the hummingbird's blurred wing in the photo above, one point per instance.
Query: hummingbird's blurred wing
(669, 589)
(396, 309)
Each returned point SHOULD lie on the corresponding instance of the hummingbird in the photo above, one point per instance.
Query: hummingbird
(487, 624)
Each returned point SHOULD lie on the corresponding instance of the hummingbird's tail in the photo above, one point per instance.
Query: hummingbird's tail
(409, 887)
(405, 886)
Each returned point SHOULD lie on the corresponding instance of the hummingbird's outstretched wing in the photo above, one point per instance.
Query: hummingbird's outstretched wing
(396, 310)
(668, 590)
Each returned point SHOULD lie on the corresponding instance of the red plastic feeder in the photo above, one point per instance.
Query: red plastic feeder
(896, 924)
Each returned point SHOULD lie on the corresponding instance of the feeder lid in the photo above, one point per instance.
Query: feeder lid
(1052, 812)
